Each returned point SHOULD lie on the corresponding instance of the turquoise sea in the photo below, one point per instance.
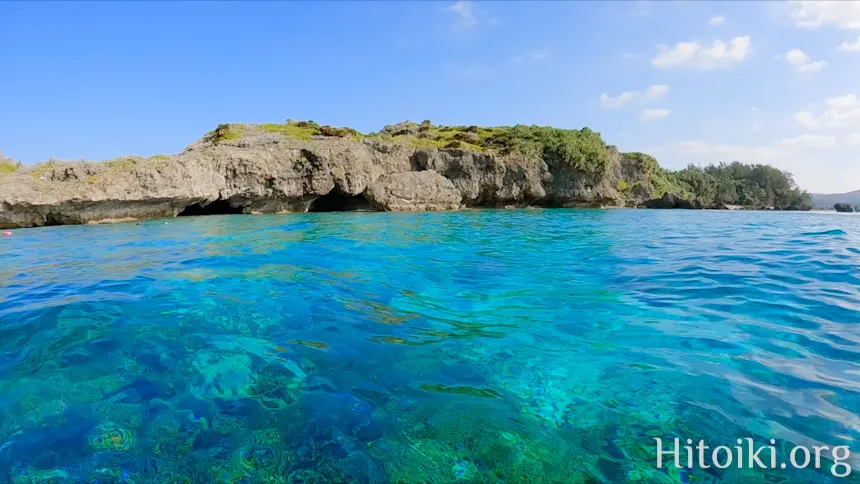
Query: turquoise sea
(525, 346)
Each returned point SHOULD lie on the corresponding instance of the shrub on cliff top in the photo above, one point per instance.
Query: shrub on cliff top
(225, 132)
(8, 165)
(638, 164)
(339, 132)
(303, 130)
(582, 150)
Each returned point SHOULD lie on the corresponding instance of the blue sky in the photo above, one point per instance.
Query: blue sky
(690, 81)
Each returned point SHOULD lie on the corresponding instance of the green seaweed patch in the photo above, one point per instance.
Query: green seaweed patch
(310, 344)
(461, 390)
(111, 438)
(396, 340)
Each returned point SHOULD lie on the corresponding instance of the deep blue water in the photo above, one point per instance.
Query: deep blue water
(539, 346)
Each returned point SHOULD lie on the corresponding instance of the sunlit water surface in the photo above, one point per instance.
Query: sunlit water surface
(539, 346)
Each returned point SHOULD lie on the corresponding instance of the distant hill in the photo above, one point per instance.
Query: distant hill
(826, 201)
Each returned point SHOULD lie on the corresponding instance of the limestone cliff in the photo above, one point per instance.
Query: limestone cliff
(283, 168)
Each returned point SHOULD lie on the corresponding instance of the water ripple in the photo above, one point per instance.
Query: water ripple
(478, 346)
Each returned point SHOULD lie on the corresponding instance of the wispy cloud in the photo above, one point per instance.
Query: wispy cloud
(473, 72)
(653, 93)
(539, 55)
(642, 8)
(811, 141)
(703, 56)
(718, 20)
(814, 14)
(647, 115)
(840, 112)
(618, 101)
(534, 55)
(464, 11)
(850, 46)
(802, 62)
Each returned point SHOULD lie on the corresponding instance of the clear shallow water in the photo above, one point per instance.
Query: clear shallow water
(545, 346)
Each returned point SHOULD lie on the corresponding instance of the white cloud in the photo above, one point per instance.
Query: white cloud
(806, 119)
(812, 66)
(811, 141)
(618, 101)
(717, 20)
(656, 91)
(653, 93)
(697, 55)
(474, 72)
(850, 46)
(642, 8)
(802, 62)
(854, 139)
(466, 17)
(653, 115)
(842, 14)
(539, 54)
(840, 112)
(796, 57)
(535, 55)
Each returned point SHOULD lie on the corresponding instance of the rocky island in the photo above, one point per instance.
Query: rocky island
(301, 166)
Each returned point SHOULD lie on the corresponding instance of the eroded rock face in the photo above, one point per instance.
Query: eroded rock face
(414, 191)
(270, 172)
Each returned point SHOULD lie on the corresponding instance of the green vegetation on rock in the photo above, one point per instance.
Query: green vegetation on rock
(303, 130)
(750, 185)
(8, 165)
(306, 130)
(226, 132)
(582, 151)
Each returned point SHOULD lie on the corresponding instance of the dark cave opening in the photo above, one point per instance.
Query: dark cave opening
(338, 202)
(218, 207)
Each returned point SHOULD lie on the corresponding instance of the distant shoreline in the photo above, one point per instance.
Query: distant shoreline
(301, 166)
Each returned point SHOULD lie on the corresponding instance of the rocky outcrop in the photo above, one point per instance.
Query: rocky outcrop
(670, 200)
(414, 191)
(271, 171)
(302, 166)
(843, 207)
